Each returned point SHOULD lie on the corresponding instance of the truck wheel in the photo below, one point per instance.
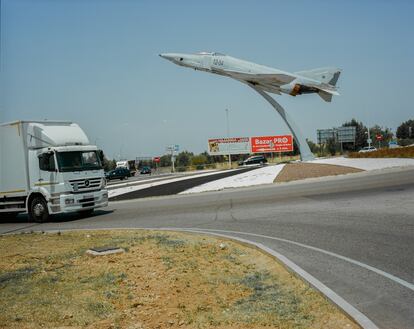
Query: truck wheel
(38, 210)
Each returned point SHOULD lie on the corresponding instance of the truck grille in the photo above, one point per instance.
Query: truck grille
(85, 184)
(89, 202)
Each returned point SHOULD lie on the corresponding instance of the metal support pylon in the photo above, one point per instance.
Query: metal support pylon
(305, 152)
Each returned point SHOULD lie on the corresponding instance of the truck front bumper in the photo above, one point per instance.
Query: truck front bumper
(65, 203)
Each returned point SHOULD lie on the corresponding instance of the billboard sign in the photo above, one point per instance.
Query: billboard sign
(325, 134)
(340, 135)
(225, 146)
(264, 144)
(346, 134)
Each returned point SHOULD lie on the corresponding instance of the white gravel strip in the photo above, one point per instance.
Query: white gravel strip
(263, 175)
(367, 163)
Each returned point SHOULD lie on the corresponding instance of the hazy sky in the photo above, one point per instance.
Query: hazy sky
(96, 63)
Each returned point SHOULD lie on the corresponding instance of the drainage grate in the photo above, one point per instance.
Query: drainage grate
(101, 251)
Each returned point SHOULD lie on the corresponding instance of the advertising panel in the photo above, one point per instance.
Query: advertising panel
(225, 146)
(340, 135)
(265, 144)
(346, 134)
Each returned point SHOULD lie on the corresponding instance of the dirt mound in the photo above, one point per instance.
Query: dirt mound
(298, 171)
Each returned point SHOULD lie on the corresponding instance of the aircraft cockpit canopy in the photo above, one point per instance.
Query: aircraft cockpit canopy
(209, 53)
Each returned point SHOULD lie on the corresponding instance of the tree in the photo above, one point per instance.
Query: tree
(332, 146)
(209, 158)
(404, 131)
(313, 147)
(384, 132)
(361, 134)
(184, 159)
(108, 164)
(295, 149)
(198, 160)
(165, 160)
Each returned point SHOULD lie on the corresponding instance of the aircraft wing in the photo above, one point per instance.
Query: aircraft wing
(274, 79)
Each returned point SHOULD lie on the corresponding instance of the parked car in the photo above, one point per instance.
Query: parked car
(393, 145)
(256, 159)
(145, 170)
(118, 173)
(367, 149)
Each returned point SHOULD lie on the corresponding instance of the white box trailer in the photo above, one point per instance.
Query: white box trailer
(49, 167)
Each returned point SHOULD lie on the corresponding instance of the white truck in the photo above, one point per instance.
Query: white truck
(49, 167)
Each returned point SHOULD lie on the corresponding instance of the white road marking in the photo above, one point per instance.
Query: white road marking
(132, 188)
(258, 176)
(349, 260)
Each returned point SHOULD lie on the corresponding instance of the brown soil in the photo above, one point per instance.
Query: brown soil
(163, 280)
(297, 171)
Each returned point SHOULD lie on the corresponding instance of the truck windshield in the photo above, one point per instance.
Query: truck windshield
(78, 161)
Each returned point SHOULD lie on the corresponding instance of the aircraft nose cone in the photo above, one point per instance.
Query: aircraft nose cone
(167, 56)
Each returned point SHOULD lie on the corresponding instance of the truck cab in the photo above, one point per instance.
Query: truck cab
(52, 168)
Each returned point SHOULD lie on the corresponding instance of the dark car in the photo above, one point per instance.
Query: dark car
(145, 170)
(118, 173)
(256, 159)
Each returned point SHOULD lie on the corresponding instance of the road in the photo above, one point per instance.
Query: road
(168, 187)
(354, 233)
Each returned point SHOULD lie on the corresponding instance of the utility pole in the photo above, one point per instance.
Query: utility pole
(228, 136)
(172, 162)
(369, 140)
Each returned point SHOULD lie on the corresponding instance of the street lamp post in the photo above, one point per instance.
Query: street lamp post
(228, 135)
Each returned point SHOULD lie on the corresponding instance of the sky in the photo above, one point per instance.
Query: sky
(96, 63)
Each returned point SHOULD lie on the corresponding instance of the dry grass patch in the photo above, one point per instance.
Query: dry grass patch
(163, 280)
(400, 152)
(298, 171)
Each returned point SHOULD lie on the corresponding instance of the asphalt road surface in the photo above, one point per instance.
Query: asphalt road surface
(179, 186)
(354, 233)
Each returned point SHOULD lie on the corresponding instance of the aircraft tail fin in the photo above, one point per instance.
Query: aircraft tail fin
(327, 97)
(326, 94)
(327, 75)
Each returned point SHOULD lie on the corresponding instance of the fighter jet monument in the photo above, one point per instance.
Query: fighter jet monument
(267, 80)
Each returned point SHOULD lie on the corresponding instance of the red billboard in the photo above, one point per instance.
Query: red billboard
(265, 144)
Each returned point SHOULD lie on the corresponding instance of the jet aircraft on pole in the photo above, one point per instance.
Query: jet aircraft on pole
(264, 80)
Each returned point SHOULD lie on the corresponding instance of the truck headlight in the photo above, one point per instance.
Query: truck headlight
(105, 195)
(69, 201)
(55, 201)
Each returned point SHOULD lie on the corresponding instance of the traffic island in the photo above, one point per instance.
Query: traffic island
(161, 280)
(298, 171)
